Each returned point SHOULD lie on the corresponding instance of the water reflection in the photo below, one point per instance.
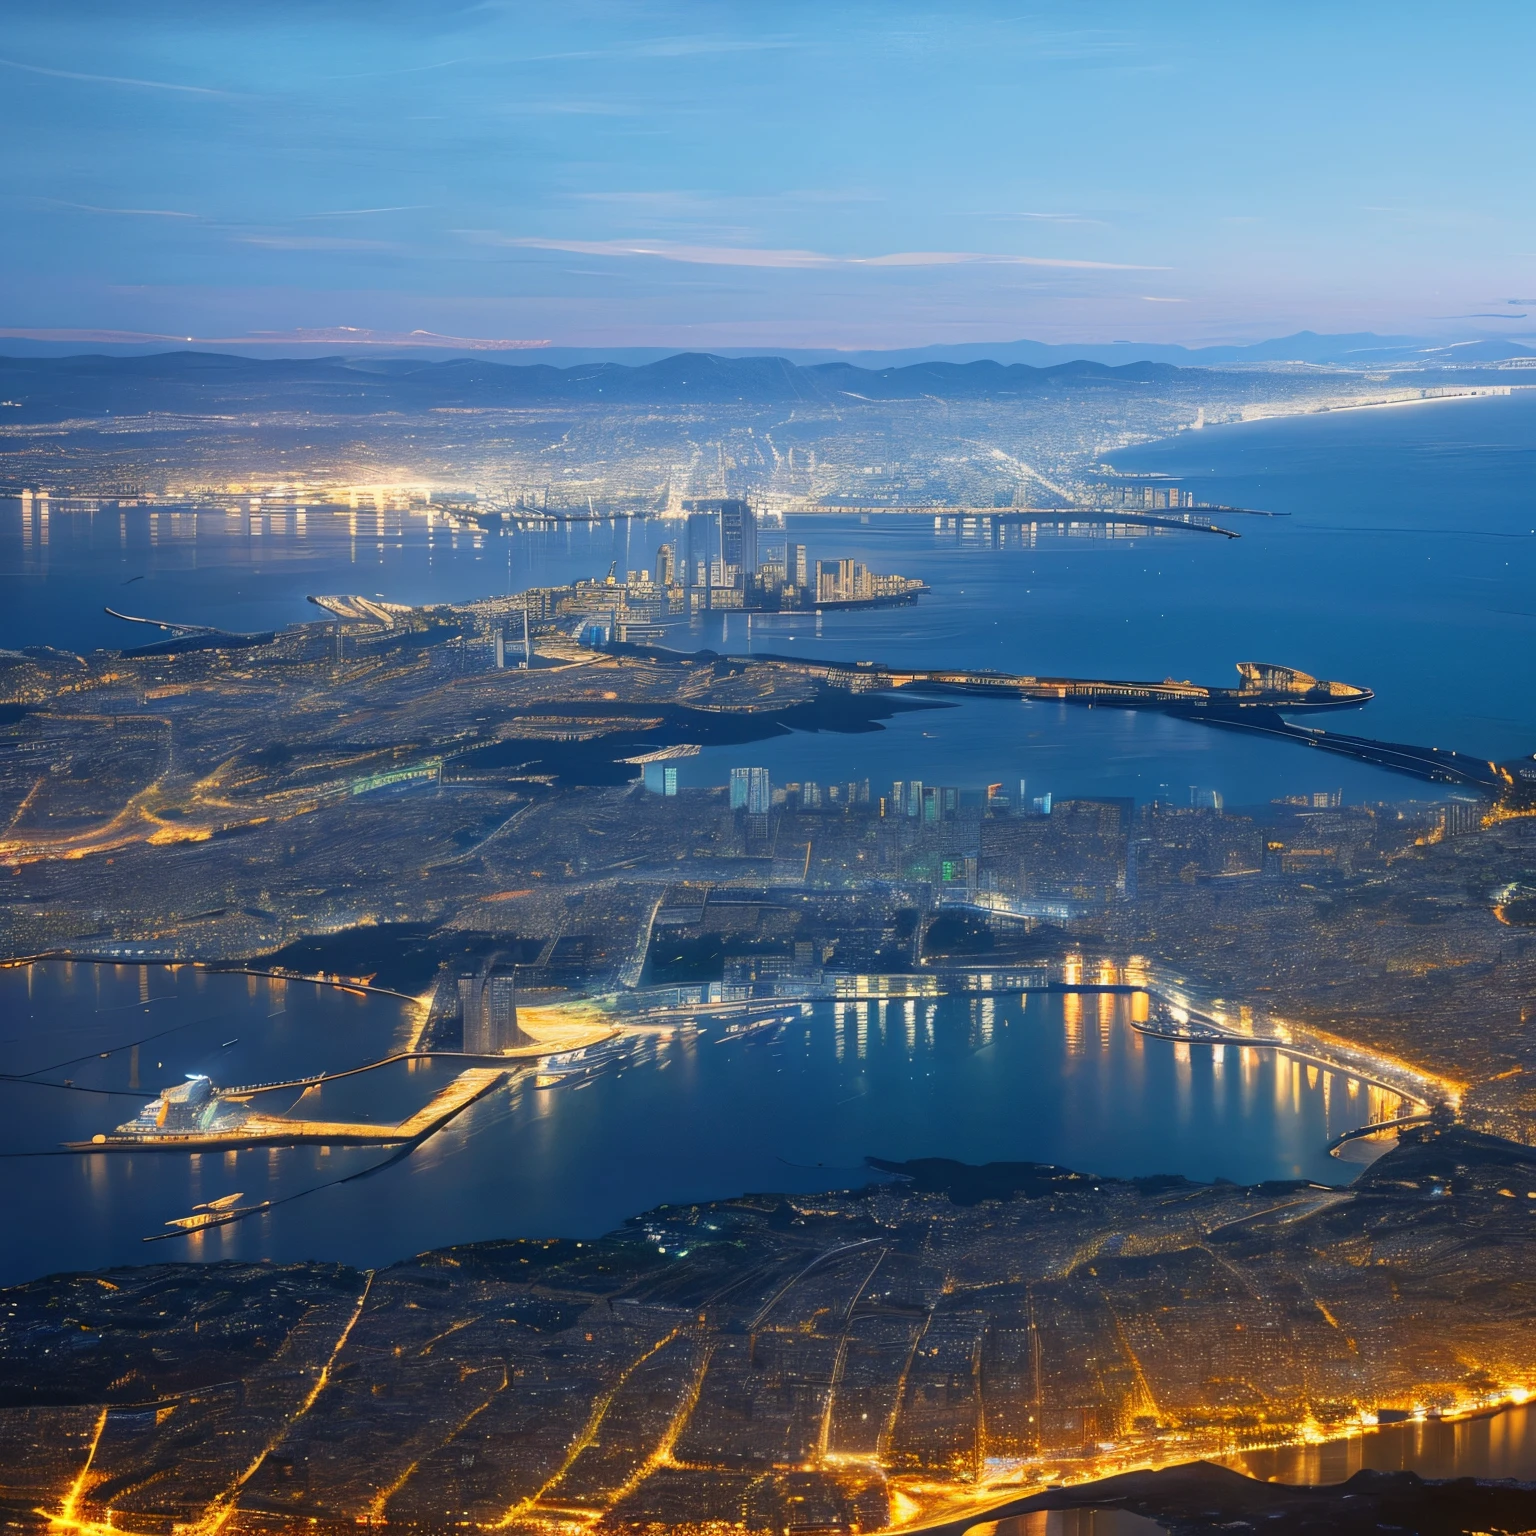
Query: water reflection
(1057, 1079)
(1497, 1445)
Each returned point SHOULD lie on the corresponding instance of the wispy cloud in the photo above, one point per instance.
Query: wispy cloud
(316, 243)
(743, 256)
(354, 213)
(327, 336)
(1048, 218)
(137, 213)
(1158, 298)
(148, 85)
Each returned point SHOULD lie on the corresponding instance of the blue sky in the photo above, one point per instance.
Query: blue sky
(784, 174)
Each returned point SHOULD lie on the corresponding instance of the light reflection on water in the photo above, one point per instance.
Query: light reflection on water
(1496, 1445)
(1055, 1079)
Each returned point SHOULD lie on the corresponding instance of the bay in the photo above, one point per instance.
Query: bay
(1403, 560)
(1058, 1079)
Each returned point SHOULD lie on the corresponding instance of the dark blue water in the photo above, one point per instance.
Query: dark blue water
(1059, 1079)
(1405, 562)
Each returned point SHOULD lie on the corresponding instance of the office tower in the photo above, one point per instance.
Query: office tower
(733, 531)
(488, 1006)
(738, 536)
(751, 791)
(701, 544)
(666, 566)
(501, 649)
(1022, 803)
(914, 797)
(845, 587)
(661, 778)
(932, 803)
(810, 795)
(1041, 804)
(799, 571)
(1138, 852)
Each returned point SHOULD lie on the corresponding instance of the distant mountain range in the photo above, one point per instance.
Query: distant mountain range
(41, 389)
(53, 389)
(1353, 349)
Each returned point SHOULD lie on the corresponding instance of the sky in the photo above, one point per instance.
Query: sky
(823, 174)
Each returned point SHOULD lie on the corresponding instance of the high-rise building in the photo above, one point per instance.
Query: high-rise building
(666, 565)
(734, 530)
(661, 778)
(738, 536)
(799, 574)
(488, 1006)
(750, 791)
(701, 544)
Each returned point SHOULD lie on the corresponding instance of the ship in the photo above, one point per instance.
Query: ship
(759, 1025)
(585, 1061)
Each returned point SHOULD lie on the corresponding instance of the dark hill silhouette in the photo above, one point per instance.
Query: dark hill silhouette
(54, 389)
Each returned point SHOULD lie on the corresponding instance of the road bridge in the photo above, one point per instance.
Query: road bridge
(1439, 765)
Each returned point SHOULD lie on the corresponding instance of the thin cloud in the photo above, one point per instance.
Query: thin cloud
(1048, 218)
(1157, 298)
(316, 243)
(743, 256)
(328, 336)
(148, 85)
(353, 213)
(139, 213)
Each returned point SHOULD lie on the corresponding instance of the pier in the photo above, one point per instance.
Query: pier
(258, 1130)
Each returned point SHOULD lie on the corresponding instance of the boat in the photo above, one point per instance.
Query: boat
(585, 1061)
(759, 1025)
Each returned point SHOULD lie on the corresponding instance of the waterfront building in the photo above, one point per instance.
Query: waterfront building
(488, 1006)
(187, 1108)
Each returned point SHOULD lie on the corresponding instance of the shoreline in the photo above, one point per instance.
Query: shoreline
(985, 1510)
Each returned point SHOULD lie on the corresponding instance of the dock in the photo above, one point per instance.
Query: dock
(259, 1130)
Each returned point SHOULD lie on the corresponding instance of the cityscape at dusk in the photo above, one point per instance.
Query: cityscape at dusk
(767, 771)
